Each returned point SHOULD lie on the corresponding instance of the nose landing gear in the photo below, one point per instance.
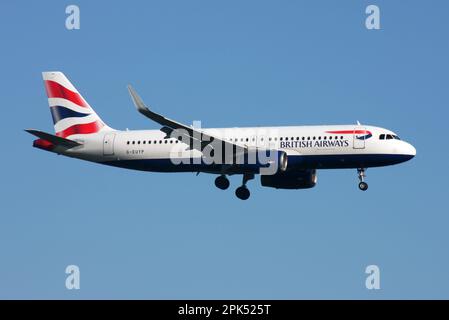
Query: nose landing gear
(242, 192)
(362, 184)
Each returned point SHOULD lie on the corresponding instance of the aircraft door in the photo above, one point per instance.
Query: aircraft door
(359, 137)
(108, 144)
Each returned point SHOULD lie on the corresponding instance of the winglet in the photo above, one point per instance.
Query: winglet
(143, 109)
(137, 100)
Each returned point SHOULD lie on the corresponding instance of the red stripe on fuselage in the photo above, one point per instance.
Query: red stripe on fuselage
(55, 90)
(84, 128)
(350, 132)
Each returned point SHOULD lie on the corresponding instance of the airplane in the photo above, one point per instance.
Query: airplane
(285, 157)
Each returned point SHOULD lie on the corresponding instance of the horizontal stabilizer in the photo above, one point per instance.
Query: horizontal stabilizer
(54, 139)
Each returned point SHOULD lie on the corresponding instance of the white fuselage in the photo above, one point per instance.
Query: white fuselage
(307, 147)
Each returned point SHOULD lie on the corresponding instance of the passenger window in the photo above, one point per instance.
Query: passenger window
(280, 139)
(134, 142)
(127, 142)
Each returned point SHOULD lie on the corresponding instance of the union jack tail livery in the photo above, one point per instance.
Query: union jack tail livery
(71, 114)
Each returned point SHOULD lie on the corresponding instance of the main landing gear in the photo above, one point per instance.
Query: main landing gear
(362, 184)
(242, 192)
(221, 182)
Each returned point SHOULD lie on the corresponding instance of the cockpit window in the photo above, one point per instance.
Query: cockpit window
(389, 137)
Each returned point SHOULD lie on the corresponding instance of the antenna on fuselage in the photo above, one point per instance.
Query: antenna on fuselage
(358, 123)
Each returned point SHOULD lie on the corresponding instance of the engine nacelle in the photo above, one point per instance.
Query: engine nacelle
(290, 180)
(265, 162)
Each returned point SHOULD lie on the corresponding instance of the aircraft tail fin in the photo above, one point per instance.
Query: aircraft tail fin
(71, 113)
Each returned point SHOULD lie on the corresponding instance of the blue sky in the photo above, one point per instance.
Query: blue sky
(226, 63)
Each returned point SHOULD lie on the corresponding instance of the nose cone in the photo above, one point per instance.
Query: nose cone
(408, 150)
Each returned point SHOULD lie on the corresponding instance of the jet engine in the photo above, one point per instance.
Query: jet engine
(290, 180)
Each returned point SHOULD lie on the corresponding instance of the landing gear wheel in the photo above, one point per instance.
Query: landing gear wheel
(362, 175)
(222, 182)
(242, 193)
(363, 186)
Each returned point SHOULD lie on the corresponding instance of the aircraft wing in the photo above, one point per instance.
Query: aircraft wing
(169, 126)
